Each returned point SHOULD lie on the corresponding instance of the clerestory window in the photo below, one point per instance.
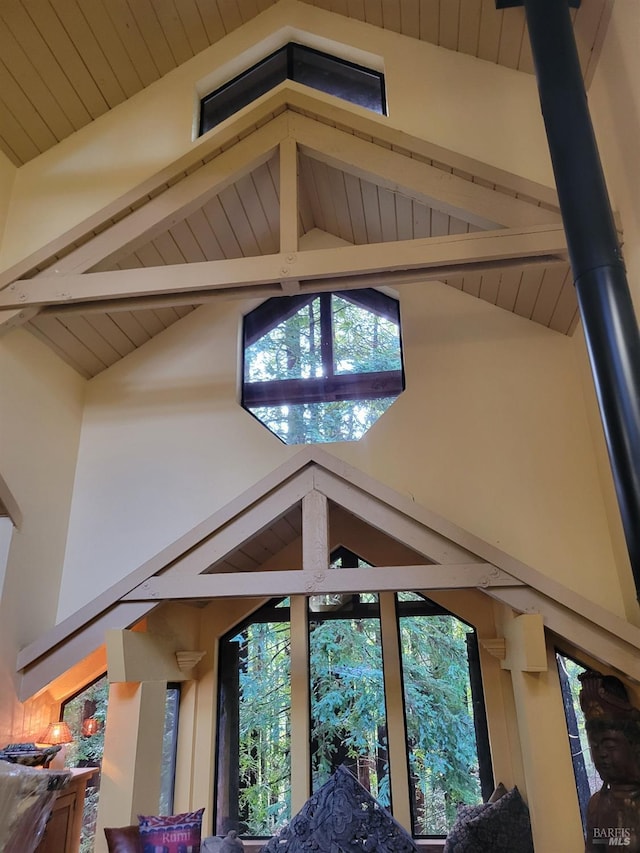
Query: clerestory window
(330, 74)
(322, 367)
(350, 657)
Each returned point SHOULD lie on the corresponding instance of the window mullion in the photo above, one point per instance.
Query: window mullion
(300, 708)
(396, 727)
(326, 334)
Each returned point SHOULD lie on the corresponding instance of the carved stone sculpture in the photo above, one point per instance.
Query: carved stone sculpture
(342, 817)
(230, 843)
(613, 729)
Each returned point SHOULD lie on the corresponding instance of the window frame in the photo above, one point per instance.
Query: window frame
(332, 386)
(581, 775)
(271, 613)
(168, 769)
(288, 63)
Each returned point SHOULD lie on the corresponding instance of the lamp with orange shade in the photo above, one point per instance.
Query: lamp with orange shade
(57, 733)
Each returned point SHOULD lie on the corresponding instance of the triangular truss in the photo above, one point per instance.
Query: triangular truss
(276, 539)
(232, 219)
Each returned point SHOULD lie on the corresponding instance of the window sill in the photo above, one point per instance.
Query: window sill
(432, 845)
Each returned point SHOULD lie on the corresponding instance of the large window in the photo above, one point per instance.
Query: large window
(86, 714)
(442, 728)
(348, 712)
(322, 367)
(169, 748)
(254, 700)
(444, 723)
(330, 74)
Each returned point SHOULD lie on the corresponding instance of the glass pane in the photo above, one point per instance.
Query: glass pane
(254, 766)
(314, 423)
(86, 714)
(587, 779)
(348, 715)
(169, 746)
(354, 83)
(289, 351)
(364, 342)
(410, 596)
(337, 77)
(244, 89)
(441, 740)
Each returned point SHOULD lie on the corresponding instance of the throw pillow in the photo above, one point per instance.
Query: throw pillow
(504, 826)
(123, 839)
(498, 792)
(179, 833)
(459, 839)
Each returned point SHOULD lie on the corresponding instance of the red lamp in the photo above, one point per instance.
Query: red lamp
(90, 726)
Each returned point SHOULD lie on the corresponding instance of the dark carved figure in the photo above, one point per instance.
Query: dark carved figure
(342, 817)
(613, 729)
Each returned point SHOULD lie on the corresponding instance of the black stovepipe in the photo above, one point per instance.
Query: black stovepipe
(606, 309)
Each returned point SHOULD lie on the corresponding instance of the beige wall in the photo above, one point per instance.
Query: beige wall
(491, 433)
(498, 426)
(40, 418)
(132, 142)
(164, 445)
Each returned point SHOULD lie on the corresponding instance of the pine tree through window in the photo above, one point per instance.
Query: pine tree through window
(347, 647)
(322, 367)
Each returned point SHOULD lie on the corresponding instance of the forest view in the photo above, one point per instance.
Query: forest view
(312, 364)
(348, 712)
(86, 715)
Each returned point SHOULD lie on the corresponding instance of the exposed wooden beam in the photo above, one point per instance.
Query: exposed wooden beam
(382, 515)
(291, 469)
(14, 317)
(378, 579)
(77, 646)
(175, 203)
(9, 505)
(415, 179)
(596, 640)
(288, 196)
(315, 532)
(301, 100)
(300, 680)
(203, 556)
(201, 151)
(462, 561)
(295, 98)
(350, 488)
(434, 257)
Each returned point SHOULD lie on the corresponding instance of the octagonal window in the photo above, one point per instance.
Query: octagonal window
(322, 367)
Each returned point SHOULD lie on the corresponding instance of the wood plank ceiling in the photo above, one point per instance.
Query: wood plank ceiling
(65, 62)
